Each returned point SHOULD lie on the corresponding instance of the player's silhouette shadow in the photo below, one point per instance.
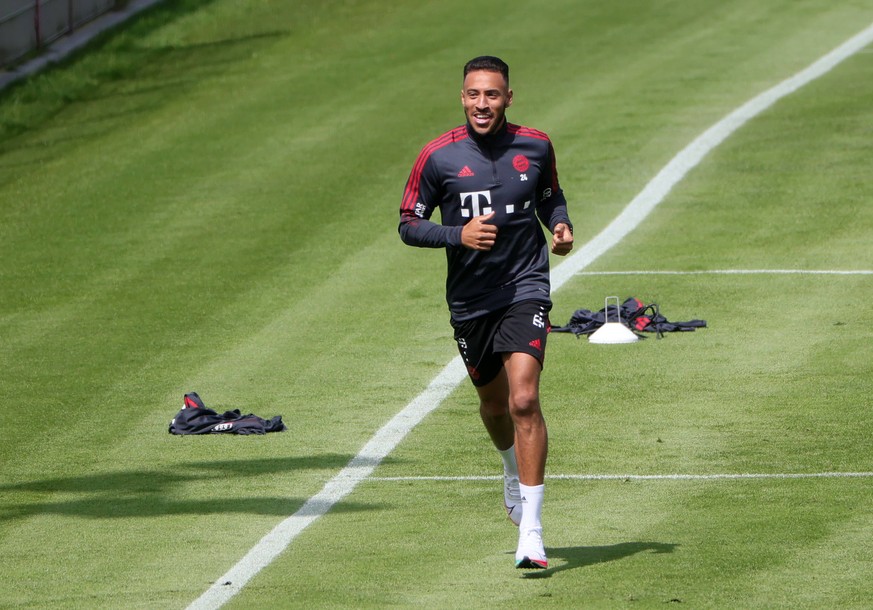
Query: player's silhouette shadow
(571, 557)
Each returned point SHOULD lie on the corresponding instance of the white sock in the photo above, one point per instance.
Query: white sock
(510, 466)
(532, 506)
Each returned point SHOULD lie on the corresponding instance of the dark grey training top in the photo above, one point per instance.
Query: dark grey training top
(511, 172)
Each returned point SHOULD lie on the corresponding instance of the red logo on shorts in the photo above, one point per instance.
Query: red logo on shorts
(472, 372)
(536, 344)
(520, 163)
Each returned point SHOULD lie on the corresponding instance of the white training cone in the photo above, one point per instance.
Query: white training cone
(613, 332)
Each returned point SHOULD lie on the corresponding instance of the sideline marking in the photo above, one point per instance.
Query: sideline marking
(737, 272)
(646, 477)
(390, 435)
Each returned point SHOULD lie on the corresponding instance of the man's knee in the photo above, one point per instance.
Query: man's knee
(525, 404)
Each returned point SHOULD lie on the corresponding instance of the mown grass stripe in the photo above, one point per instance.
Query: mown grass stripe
(689, 157)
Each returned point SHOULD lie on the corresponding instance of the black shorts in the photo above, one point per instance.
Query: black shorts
(521, 327)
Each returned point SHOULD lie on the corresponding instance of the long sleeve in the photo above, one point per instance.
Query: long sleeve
(420, 198)
(415, 231)
(552, 206)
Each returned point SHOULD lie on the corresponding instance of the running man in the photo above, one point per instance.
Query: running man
(492, 180)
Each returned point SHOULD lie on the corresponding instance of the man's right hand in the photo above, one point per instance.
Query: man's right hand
(478, 234)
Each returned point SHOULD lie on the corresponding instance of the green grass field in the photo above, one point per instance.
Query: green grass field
(206, 200)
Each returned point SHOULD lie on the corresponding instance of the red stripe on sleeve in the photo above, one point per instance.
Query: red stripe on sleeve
(410, 195)
(527, 131)
(554, 163)
(536, 133)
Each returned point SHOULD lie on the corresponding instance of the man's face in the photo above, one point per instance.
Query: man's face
(486, 96)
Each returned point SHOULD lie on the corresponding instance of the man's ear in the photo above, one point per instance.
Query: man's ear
(509, 98)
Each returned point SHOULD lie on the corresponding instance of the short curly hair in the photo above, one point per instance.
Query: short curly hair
(489, 63)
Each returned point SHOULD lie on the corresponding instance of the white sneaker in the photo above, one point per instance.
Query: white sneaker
(530, 553)
(512, 498)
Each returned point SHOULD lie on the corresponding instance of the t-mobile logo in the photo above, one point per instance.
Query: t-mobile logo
(477, 203)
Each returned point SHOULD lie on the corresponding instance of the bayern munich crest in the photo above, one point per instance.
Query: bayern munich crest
(520, 163)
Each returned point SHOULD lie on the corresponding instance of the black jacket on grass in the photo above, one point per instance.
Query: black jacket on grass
(195, 418)
(510, 172)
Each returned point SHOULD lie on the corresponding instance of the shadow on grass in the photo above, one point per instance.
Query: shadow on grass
(155, 493)
(583, 556)
(130, 80)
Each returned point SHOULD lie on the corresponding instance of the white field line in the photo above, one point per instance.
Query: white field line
(738, 272)
(643, 477)
(390, 435)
